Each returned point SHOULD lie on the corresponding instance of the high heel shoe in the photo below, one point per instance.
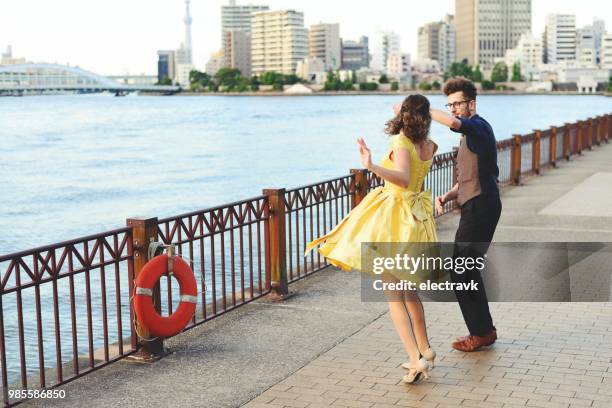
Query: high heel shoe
(429, 355)
(421, 370)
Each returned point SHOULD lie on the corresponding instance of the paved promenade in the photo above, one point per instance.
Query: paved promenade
(324, 347)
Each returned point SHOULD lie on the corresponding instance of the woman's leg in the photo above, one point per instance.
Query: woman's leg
(417, 317)
(401, 320)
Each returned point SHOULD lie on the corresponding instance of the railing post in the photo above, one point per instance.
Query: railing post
(552, 147)
(535, 152)
(589, 132)
(361, 186)
(276, 245)
(515, 160)
(608, 127)
(597, 131)
(566, 141)
(144, 231)
(579, 137)
(456, 174)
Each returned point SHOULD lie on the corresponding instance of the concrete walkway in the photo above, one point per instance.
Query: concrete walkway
(324, 347)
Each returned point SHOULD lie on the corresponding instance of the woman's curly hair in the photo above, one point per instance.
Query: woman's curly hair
(413, 119)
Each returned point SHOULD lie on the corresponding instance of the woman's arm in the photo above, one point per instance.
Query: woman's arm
(445, 119)
(400, 176)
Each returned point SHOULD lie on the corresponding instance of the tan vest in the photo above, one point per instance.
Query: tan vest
(467, 173)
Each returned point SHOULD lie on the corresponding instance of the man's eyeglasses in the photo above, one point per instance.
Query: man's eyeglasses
(451, 106)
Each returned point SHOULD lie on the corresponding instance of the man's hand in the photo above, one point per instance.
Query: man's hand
(440, 201)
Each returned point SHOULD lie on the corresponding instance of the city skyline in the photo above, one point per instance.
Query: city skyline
(117, 43)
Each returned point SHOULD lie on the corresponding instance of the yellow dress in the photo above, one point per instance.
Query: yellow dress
(389, 213)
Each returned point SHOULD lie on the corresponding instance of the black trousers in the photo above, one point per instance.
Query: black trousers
(479, 217)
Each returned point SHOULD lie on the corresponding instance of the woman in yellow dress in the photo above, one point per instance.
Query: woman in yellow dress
(398, 212)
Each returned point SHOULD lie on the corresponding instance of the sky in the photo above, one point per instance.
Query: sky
(116, 37)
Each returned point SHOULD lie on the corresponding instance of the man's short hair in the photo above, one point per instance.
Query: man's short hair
(458, 84)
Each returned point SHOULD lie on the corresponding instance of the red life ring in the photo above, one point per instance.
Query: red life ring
(148, 317)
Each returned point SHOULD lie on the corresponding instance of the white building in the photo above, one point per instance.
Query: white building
(279, 41)
(447, 46)
(485, 29)
(382, 44)
(182, 74)
(234, 17)
(606, 51)
(236, 34)
(560, 38)
(311, 69)
(437, 41)
(528, 53)
(588, 42)
(398, 66)
(324, 44)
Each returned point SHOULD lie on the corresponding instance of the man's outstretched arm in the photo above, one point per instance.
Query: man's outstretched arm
(445, 119)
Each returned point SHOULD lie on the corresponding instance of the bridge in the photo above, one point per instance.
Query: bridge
(42, 78)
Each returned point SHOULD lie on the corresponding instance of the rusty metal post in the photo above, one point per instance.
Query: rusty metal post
(579, 137)
(566, 141)
(361, 186)
(515, 160)
(597, 130)
(535, 151)
(144, 231)
(589, 132)
(552, 147)
(275, 244)
(455, 174)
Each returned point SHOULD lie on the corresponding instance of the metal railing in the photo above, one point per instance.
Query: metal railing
(73, 298)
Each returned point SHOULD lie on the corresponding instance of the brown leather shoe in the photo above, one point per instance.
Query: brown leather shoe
(472, 343)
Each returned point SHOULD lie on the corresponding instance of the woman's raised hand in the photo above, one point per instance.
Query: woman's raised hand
(365, 154)
(396, 108)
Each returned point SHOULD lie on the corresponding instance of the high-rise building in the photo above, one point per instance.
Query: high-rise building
(279, 41)
(382, 44)
(485, 29)
(324, 44)
(428, 41)
(234, 17)
(447, 46)
(586, 52)
(236, 35)
(355, 55)
(165, 65)
(588, 42)
(237, 50)
(606, 51)
(560, 37)
(437, 41)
